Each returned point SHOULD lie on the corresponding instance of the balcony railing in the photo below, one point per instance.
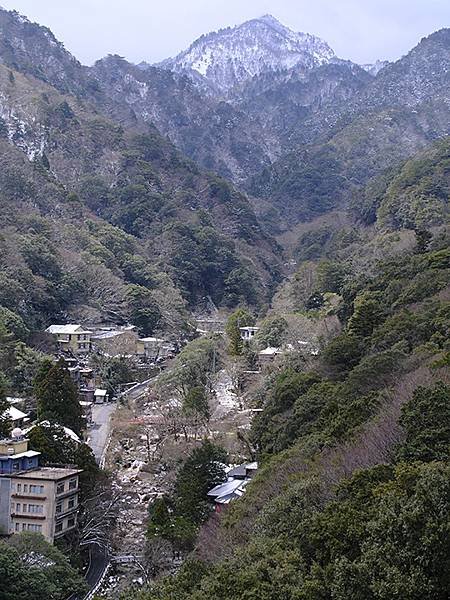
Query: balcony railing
(22, 515)
(33, 495)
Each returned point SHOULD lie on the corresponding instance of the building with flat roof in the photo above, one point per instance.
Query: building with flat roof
(71, 338)
(248, 333)
(35, 498)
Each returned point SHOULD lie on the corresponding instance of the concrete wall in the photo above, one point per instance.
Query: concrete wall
(5, 492)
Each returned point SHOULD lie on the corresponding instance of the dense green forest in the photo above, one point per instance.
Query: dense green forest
(355, 455)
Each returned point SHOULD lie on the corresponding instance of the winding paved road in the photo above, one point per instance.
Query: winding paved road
(100, 428)
(101, 420)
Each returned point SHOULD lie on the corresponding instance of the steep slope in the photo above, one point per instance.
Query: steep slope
(227, 58)
(237, 138)
(400, 112)
(180, 223)
(415, 197)
(33, 49)
(215, 134)
(278, 110)
(353, 450)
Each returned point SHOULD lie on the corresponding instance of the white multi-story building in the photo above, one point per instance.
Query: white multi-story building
(35, 498)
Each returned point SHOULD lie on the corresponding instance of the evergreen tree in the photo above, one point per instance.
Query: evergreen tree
(240, 318)
(84, 458)
(426, 422)
(57, 447)
(196, 403)
(272, 332)
(423, 239)
(203, 470)
(367, 315)
(57, 397)
(32, 568)
(315, 301)
(331, 276)
(160, 521)
(5, 423)
(343, 352)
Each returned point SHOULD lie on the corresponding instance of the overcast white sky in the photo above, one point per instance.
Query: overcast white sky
(360, 30)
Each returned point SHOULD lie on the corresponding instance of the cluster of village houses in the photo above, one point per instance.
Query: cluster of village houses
(75, 343)
(45, 499)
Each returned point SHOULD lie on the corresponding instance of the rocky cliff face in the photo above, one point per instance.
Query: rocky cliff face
(273, 108)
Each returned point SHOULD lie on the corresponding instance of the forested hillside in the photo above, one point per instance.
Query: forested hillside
(352, 498)
(107, 200)
(276, 229)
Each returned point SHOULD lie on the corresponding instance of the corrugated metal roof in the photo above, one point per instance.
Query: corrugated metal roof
(223, 489)
(270, 351)
(100, 392)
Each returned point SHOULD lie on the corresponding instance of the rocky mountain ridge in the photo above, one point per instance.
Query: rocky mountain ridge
(227, 58)
(280, 119)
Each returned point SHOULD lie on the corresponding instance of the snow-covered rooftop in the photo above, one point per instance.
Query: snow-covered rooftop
(69, 432)
(104, 335)
(14, 414)
(270, 351)
(99, 392)
(27, 454)
(68, 329)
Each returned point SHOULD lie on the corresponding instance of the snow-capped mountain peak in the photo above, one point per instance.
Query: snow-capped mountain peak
(231, 56)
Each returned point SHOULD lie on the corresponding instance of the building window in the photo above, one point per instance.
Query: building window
(24, 526)
(17, 527)
(58, 527)
(71, 522)
(24, 508)
(35, 489)
(59, 508)
(60, 488)
(36, 509)
(17, 507)
(34, 527)
(72, 502)
(19, 487)
(72, 484)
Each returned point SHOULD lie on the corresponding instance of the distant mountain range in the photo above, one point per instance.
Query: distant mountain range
(259, 104)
